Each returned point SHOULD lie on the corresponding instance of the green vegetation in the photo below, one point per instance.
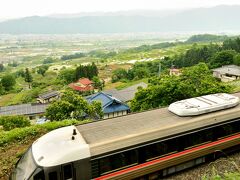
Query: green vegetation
(97, 83)
(1, 67)
(48, 60)
(74, 106)
(139, 70)
(73, 56)
(206, 38)
(213, 54)
(19, 134)
(145, 48)
(67, 76)
(194, 81)
(11, 122)
(28, 77)
(15, 142)
(8, 82)
(88, 71)
(226, 176)
(42, 69)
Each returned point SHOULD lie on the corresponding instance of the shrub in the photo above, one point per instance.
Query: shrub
(21, 134)
(11, 122)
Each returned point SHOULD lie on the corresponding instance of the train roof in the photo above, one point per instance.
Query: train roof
(131, 130)
(203, 104)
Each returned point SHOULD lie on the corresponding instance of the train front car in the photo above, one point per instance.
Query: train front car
(61, 151)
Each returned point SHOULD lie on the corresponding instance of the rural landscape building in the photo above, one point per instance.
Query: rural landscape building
(227, 73)
(48, 97)
(111, 106)
(32, 111)
(82, 85)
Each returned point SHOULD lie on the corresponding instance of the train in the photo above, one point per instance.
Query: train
(147, 145)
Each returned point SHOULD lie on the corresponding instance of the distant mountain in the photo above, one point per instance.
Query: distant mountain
(220, 18)
(146, 13)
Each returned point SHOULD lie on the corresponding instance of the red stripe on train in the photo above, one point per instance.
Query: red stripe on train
(167, 157)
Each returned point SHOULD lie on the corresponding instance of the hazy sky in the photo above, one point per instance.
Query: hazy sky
(21, 8)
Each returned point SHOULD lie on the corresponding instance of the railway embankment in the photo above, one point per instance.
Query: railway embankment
(227, 167)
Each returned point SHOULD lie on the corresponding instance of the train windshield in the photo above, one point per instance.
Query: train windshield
(25, 166)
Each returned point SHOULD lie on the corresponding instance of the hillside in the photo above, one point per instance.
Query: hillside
(220, 18)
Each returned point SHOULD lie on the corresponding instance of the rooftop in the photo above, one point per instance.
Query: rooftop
(80, 88)
(23, 109)
(85, 81)
(126, 94)
(49, 95)
(109, 103)
(229, 69)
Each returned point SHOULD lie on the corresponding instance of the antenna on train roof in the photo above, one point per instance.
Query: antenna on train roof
(74, 132)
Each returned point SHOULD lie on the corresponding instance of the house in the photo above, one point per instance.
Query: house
(82, 85)
(227, 73)
(48, 97)
(32, 111)
(111, 106)
(127, 94)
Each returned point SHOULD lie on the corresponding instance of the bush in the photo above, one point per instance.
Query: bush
(11, 122)
(21, 134)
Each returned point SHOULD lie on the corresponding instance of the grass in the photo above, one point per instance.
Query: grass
(235, 85)
(131, 83)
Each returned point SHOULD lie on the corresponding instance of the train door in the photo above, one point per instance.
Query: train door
(68, 172)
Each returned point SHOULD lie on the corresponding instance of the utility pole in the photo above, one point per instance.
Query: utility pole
(159, 68)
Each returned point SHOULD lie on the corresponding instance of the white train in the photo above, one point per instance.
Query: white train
(203, 104)
(147, 145)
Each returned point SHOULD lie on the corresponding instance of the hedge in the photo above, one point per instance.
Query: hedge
(11, 122)
(21, 134)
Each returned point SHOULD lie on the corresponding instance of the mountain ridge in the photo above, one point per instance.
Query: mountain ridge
(219, 18)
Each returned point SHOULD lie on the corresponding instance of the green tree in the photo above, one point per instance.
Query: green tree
(73, 105)
(1, 67)
(20, 73)
(42, 69)
(13, 64)
(59, 110)
(222, 58)
(88, 71)
(95, 110)
(236, 59)
(67, 76)
(28, 77)
(97, 83)
(119, 74)
(8, 82)
(48, 60)
(1, 89)
(194, 81)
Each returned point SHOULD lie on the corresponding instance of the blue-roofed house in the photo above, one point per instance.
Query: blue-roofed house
(111, 106)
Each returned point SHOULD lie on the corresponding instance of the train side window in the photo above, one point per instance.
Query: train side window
(67, 172)
(39, 176)
(53, 176)
(116, 161)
